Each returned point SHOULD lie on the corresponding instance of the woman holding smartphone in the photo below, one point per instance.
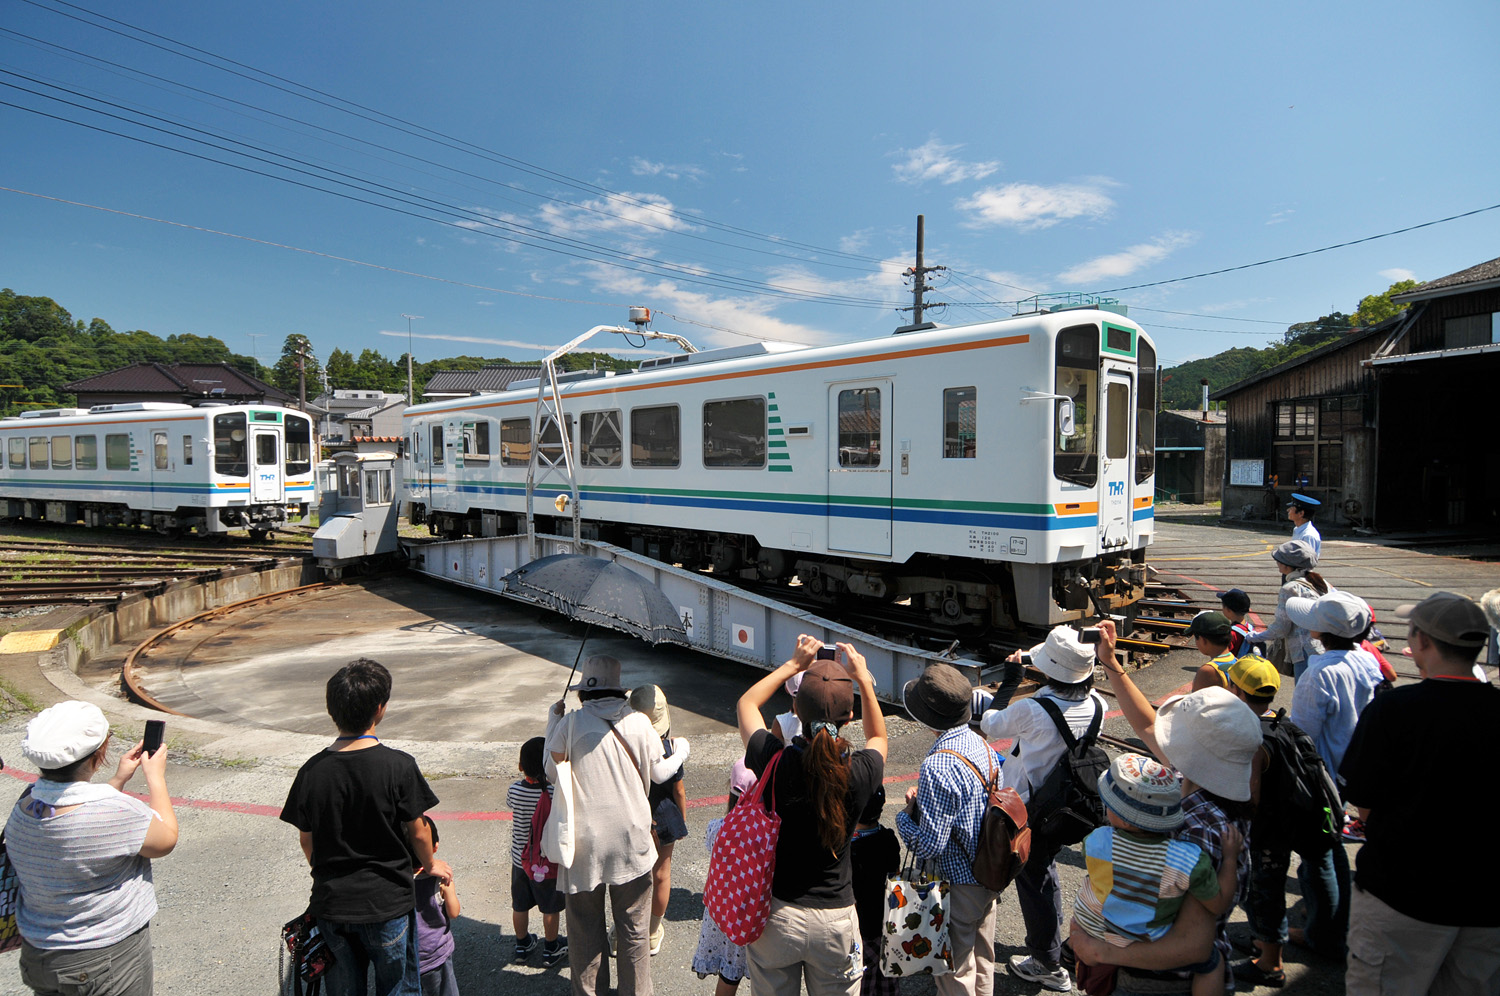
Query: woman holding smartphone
(82, 854)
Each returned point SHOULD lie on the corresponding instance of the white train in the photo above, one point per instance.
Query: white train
(997, 475)
(168, 466)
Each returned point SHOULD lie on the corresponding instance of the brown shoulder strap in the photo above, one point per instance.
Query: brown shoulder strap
(989, 782)
(628, 752)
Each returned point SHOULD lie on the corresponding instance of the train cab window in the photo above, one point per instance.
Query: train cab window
(734, 433)
(39, 452)
(187, 451)
(298, 446)
(550, 440)
(477, 440)
(1117, 422)
(959, 423)
(601, 443)
(1145, 413)
(231, 446)
(515, 442)
(117, 451)
(859, 427)
(265, 449)
(655, 437)
(348, 480)
(62, 452)
(377, 487)
(86, 452)
(16, 453)
(437, 446)
(1075, 457)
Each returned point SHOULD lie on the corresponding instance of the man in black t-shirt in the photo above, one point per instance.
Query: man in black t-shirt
(358, 806)
(1424, 916)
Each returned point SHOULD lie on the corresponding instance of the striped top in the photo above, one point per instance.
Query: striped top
(1136, 884)
(83, 881)
(522, 797)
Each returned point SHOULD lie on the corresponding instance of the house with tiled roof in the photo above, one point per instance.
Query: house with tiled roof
(448, 384)
(184, 383)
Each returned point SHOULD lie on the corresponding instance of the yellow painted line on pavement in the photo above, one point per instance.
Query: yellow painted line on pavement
(1228, 556)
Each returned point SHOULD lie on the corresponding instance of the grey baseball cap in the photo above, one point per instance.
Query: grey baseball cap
(1337, 612)
(1449, 618)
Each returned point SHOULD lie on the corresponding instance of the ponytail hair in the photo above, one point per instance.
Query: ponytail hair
(827, 786)
(1316, 580)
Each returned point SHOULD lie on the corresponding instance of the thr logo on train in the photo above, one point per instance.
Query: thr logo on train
(1116, 489)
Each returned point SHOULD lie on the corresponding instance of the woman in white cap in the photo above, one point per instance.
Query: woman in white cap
(82, 853)
(1035, 724)
(1295, 560)
(668, 801)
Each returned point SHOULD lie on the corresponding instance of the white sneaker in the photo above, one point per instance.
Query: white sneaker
(1057, 980)
(657, 936)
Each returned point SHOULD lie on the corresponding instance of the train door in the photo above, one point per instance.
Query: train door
(859, 468)
(453, 453)
(1115, 472)
(266, 479)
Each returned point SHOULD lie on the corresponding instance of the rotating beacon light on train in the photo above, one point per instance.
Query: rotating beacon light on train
(975, 478)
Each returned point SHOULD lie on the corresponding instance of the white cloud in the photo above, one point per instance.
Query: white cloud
(856, 242)
(1030, 206)
(1127, 261)
(635, 213)
(1280, 216)
(1396, 274)
(645, 167)
(934, 161)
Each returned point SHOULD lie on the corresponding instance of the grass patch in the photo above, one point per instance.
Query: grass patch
(20, 698)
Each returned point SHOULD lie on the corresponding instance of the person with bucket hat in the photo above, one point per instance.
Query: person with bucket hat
(1295, 560)
(821, 785)
(942, 818)
(82, 854)
(1423, 916)
(1212, 739)
(668, 803)
(1067, 664)
(615, 756)
(1300, 510)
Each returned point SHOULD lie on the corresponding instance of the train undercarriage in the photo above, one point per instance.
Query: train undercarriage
(258, 519)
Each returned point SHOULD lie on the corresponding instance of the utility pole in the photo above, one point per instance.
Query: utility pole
(919, 284)
(302, 351)
(411, 397)
(255, 347)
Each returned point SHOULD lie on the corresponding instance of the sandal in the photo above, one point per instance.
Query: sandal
(1251, 975)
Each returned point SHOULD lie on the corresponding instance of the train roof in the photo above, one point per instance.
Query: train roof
(666, 365)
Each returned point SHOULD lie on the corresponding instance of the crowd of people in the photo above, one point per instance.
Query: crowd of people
(1204, 818)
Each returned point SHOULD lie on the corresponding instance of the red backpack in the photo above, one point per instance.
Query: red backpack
(533, 862)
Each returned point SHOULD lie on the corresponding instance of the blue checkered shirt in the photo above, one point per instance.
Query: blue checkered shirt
(1203, 823)
(952, 802)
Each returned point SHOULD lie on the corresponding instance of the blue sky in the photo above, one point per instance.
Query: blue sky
(758, 168)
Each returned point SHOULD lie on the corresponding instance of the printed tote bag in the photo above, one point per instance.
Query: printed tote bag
(738, 892)
(914, 940)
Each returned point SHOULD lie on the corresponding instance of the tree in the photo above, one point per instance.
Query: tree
(285, 374)
(1376, 308)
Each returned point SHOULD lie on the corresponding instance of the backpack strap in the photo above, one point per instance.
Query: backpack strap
(628, 753)
(988, 783)
(1055, 714)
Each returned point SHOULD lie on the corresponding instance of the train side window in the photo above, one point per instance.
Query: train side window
(477, 440)
(601, 443)
(960, 425)
(550, 440)
(437, 446)
(39, 452)
(515, 442)
(117, 451)
(187, 451)
(859, 427)
(231, 447)
(298, 446)
(1117, 422)
(62, 452)
(734, 433)
(655, 437)
(159, 450)
(86, 452)
(16, 448)
(1145, 412)
(1076, 457)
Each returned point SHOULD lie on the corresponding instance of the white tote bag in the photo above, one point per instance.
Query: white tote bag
(557, 834)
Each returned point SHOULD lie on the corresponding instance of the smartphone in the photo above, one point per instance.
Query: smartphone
(827, 652)
(1088, 635)
(155, 730)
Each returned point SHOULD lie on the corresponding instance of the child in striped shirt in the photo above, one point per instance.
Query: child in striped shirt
(526, 891)
(1138, 876)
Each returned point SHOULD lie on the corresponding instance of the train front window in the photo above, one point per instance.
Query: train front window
(298, 446)
(231, 447)
(859, 427)
(1075, 457)
(86, 453)
(960, 437)
(1145, 413)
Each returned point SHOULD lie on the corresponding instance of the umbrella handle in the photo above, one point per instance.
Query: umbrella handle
(578, 657)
